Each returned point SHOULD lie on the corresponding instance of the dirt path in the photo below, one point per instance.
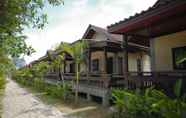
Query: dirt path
(18, 103)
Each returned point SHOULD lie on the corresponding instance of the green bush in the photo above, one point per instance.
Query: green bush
(59, 91)
(39, 84)
(34, 78)
(148, 104)
(2, 83)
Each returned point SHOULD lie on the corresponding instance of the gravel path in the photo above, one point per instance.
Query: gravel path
(18, 103)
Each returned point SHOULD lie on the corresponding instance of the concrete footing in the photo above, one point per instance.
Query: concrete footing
(91, 91)
(89, 97)
(105, 100)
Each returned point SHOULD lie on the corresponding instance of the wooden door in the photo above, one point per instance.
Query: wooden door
(110, 65)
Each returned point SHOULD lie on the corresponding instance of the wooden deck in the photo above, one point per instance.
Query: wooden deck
(97, 84)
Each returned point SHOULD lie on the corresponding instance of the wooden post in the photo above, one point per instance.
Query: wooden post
(125, 52)
(116, 63)
(89, 61)
(152, 55)
(64, 69)
(105, 61)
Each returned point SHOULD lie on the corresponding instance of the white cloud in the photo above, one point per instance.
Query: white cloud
(70, 24)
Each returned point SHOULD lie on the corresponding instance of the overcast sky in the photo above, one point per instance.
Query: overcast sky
(69, 22)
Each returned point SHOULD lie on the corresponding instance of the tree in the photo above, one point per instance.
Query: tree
(58, 63)
(6, 65)
(16, 15)
(77, 51)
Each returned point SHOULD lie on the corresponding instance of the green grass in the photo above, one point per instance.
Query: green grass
(1, 99)
(2, 90)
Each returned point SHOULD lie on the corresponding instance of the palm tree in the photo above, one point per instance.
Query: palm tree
(58, 63)
(76, 50)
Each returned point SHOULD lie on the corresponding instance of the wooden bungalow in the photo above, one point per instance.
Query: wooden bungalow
(164, 25)
(146, 49)
(105, 62)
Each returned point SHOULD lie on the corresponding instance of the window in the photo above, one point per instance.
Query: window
(95, 65)
(179, 58)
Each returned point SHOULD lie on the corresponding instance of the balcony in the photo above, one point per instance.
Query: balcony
(133, 80)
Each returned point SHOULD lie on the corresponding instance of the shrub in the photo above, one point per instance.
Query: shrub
(59, 91)
(2, 83)
(39, 84)
(151, 103)
(40, 70)
(34, 77)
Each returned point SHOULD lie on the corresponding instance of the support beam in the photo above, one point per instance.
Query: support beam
(64, 67)
(105, 98)
(125, 54)
(152, 55)
(116, 67)
(89, 99)
(89, 61)
(105, 61)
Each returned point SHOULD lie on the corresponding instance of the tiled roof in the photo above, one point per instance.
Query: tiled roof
(158, 4)
(109, 36)
(162, 2)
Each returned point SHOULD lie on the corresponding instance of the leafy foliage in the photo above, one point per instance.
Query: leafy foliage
(16, 15)
(39, 84)
(6, 65)
(2, 83)
(34, 77)
(39, 70)
(59, 91)
(149, 104)
(77, 51)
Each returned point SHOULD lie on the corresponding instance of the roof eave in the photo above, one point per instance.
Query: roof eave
(150, 13)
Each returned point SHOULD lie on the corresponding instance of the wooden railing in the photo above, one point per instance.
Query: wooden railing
(69, 76)
(162, 80)
(133, 80)
(90, 79)
(51, 75)
(95, 80)
(171, 74)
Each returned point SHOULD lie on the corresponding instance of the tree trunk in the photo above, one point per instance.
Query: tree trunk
(77, 83)
(63, 80)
